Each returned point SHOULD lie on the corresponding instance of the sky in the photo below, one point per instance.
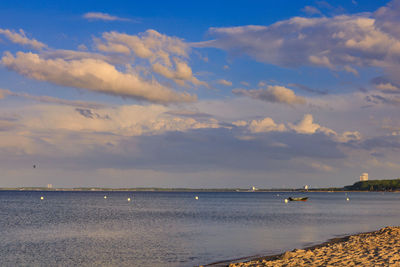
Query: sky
(200, 94)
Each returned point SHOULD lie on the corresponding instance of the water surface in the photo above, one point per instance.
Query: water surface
(175, 229)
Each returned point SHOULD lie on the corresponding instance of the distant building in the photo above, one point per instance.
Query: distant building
(49, 186)
(306, 187)
(253, 188)
(364, 177)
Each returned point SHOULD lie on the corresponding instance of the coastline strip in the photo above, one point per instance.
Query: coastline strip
(377, 248)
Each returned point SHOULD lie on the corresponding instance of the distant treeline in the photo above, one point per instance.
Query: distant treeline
(375, 185)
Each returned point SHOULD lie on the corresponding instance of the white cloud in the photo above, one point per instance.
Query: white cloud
(20, 38)
(388, 87)
(307, 126)
(103, 16)
(180, 74)
(239, 123)
(321, 61)
(161, 56)
(342, 41)
(311, 10)
(82, 47)
(94, 75)
(275, 94)
(166, 55)
(351, 70)
(224, 82)
(265, 125)
(262, 84)
(150, 44)
(114, 48)
(349, 136)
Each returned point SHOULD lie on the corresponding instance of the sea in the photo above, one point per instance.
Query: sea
(175, 228)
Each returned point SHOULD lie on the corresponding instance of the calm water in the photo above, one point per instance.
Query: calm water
(174, 229)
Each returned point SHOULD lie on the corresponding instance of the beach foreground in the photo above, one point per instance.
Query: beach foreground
(379, 248)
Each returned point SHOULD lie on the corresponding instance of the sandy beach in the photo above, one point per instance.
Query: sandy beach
(379, 248)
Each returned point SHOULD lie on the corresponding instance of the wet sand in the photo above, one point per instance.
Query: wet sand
(379, 248)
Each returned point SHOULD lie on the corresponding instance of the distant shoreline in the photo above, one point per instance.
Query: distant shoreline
(96, 189)
(361, 186)
(89, 189)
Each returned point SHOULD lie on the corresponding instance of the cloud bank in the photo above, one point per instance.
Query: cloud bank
(92, 74)
(341, 42)
(111, 72)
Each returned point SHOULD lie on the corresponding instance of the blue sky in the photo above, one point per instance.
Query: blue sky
(198, 94)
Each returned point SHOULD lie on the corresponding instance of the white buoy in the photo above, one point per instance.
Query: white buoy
(196, 197)
(129, 199)
(286, 200)
(41, 198)
(347, 199)
(105, 197)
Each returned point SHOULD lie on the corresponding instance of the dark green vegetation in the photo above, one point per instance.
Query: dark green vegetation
(375, 185)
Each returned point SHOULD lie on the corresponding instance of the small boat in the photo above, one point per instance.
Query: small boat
(298, 198)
